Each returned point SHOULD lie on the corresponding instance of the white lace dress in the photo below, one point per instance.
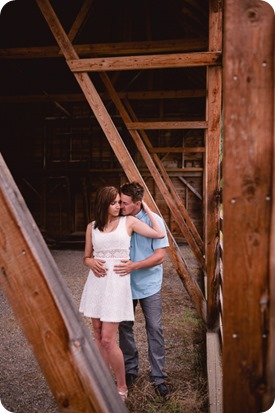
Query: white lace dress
(109, 298)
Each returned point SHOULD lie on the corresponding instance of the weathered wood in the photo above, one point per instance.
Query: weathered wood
(168, 125)
(186, 183)
(214, 368)
(105, 49)
(119, 148)
(271, 328)
(79, 97)
(176, 149)
(80, 19)
(212, 178)
(247, 175)
(30, 279)
(144, 62)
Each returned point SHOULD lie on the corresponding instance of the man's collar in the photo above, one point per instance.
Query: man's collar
(140, 214)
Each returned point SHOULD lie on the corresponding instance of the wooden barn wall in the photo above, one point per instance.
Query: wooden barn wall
(59, 164)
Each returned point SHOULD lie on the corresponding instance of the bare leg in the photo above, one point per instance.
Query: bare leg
(114, 353)
(97, 329)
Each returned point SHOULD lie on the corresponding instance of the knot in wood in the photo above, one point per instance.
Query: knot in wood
(253, 15)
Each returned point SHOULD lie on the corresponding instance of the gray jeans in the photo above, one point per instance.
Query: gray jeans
(152, 311)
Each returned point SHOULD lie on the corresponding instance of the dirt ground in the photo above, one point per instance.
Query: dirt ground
(23, 388)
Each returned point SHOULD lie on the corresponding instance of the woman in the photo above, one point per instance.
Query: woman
(106, 297)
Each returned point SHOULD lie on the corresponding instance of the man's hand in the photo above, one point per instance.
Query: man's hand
(124, 268)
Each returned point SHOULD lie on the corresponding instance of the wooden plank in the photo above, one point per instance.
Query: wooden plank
(247, 175)
(176, 149)
(105, 49)
(214, 372)
(190, 187)
(167, 125)
(30, 279)
(119, 148)
(80, 19)
(212, 166)
(79, 97)
(145, 62)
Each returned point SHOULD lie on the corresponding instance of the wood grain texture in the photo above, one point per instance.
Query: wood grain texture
(247, 171)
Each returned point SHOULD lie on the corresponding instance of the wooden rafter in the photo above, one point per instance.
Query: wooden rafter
(167, 125)
(79, 97)
(105, 49)
(80, 19)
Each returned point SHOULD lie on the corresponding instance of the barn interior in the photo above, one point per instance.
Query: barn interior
(97, 93)
(51, 139)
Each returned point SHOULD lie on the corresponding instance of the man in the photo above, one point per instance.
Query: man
(146, 258)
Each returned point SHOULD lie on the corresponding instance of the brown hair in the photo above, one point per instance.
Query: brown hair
(105, 196)
(134, 190)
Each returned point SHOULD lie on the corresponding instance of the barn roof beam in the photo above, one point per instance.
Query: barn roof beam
(79, 97)
(107, 49)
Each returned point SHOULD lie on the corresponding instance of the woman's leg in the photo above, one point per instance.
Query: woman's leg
(97, 329)
(115, 356)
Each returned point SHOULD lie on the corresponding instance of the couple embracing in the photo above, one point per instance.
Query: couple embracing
(124, 249)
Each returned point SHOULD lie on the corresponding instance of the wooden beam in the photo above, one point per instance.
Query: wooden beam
(107, 49)
(80, 19)
(79, 97)
(145, 62)
(167, 125)
(176, 150)
(212, 168)
(33, 285)
(190, 187)
(247, 202)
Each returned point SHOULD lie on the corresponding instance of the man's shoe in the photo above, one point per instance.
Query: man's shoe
(130, 379)
(162, 390)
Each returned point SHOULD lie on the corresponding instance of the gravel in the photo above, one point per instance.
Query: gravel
(23, 388)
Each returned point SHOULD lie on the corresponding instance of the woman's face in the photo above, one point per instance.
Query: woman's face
(114, 207)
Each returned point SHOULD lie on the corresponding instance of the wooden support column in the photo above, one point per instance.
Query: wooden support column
(247, 201)
(119, 147)
(31, 281)
(212, 161)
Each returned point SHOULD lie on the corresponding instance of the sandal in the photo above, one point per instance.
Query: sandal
(123, 395)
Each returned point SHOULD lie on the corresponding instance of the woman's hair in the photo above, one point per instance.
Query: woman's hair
(105, 196)
(134, 190)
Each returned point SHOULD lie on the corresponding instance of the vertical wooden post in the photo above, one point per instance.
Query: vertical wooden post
(212, 178)
(247, 171)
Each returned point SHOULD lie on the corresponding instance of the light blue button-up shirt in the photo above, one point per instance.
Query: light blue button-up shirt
(147, 281)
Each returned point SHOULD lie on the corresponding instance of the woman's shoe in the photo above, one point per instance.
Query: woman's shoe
(123, 395)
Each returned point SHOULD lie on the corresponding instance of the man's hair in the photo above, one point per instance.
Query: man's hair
(134, 190)
(104, 197)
